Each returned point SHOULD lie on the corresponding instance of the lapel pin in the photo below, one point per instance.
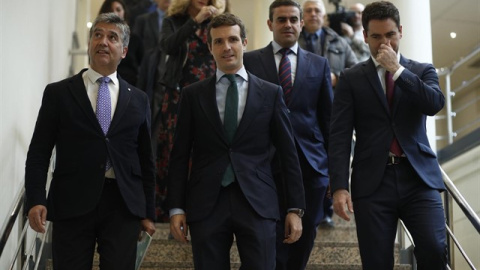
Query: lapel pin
(129, 89)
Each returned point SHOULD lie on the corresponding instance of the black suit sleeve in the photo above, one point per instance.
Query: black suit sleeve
(40, 150)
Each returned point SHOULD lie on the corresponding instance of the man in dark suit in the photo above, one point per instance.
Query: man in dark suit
(102, 191)
(149, 25)
(227, 124)
(309, 106)
(395, 173)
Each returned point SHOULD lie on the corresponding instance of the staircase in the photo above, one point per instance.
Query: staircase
(335, 249)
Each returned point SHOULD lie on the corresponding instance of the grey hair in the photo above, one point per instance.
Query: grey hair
(112, 18)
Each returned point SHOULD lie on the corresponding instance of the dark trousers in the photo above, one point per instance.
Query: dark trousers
(295, 256)
(232, 216)
(402, 195)
(110, 225)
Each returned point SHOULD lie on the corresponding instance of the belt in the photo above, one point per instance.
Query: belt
(110, 180)
(394, 160)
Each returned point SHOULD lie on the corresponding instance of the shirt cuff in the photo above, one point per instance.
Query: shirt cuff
(397, 74)
(176, 211)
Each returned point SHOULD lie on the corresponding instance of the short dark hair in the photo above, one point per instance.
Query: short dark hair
(226, 19)
(112, 18)
(279, 3)
(107, 7)
(381, 10)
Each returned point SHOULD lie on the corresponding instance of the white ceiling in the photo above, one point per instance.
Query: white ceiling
(460, 16)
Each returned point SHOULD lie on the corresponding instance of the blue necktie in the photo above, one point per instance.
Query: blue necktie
(285, 74)
(230, 122)
(104, 109)
(311, 40)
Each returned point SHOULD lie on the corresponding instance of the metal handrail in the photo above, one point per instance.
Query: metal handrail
(10, 220)
(462, 203)
(450, 93)
(467, 210)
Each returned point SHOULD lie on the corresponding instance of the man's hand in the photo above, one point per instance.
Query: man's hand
(341, 198)
(293, 228)
(387, 58)
(148, 226)
(179, 227)
(37, 217)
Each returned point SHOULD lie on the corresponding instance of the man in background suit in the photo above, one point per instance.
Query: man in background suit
(395, 173)
(323, 40)
(227, 125)
(102, 191)
(309, 106)
(149, 25)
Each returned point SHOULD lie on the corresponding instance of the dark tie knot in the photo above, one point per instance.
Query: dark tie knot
(231, 78)
(285, 51)
(312, 37)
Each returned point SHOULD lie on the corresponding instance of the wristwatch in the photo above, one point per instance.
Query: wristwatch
(298, 211)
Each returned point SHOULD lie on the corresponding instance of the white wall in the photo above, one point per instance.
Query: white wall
(35, 38)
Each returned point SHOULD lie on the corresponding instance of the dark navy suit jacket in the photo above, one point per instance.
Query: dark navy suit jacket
(310, 104)
(360, 103)
(66, 121)
(200, 134)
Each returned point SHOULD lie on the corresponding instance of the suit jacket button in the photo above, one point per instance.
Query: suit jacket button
(107, 139)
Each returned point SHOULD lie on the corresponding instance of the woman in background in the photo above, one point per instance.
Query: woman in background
(184, 42)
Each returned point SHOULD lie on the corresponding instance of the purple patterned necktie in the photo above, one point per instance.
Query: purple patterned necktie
(104, 109)
(285, 74)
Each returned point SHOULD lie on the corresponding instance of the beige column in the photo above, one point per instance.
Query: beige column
(254, 15)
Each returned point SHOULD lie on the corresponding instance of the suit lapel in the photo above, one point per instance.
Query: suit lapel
(124, 95)
(303, 65)
(397, 94)
(208, 102)
(153, 22)
(269, 65)
(370, 72)
(77, 88)
(253, 103)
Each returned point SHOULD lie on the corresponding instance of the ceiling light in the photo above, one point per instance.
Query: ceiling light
(453, 34)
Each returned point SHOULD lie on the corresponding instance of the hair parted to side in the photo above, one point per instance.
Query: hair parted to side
(381, 10)
(112, 18)
(179, 7)
(279, 3)
(226, 19)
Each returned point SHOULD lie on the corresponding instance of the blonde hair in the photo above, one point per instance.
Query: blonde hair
(179, 7)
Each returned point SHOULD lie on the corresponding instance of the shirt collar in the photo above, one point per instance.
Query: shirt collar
(242, 72)
(277, 47)
(93, 76)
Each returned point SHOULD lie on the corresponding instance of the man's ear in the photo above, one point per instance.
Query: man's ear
(125, 50)
(209, 47)
(269, 23)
